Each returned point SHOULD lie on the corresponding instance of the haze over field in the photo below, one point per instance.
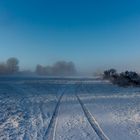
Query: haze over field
(93, 34)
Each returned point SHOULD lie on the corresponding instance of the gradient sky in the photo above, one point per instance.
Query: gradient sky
(94, 34)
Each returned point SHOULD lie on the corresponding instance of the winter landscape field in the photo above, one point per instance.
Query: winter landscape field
(67, 109)
(69, 69)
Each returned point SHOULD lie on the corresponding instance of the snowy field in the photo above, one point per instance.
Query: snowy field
(67, 109)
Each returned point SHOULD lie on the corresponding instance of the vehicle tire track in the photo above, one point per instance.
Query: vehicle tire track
(94, 124)
(50, 132)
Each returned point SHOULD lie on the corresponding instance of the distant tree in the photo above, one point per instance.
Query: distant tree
(71, 68)
(12, 65)
(49, 70)
(38, 69)
(64, 68)
(3, 69)
(58, 69)
(110, 73)
(127, 78)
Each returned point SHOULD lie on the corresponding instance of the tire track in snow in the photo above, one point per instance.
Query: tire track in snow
(50, 132)
(94, 124)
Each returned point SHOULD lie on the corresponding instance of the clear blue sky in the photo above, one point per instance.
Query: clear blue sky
(94, 34)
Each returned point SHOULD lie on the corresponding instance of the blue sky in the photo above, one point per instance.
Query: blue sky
(95, 34)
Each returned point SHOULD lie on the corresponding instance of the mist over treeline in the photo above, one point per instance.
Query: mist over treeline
(60, 68)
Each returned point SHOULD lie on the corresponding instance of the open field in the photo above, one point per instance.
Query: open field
(67, 109)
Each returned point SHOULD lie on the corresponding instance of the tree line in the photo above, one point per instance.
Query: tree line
(59, 68)
(11, 66)
(127, 78)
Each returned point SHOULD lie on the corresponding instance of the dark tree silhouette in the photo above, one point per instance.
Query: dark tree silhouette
(109, 73)
(127, 78)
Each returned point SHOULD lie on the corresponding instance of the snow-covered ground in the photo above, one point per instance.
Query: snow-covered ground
(63, 109)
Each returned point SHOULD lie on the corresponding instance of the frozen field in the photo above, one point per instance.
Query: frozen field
(67, 109)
